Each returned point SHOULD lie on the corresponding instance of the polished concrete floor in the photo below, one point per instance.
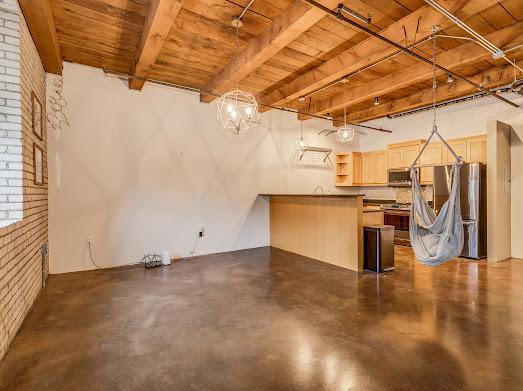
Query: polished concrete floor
(265, 319)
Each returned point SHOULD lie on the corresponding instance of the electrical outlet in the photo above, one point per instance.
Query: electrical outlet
(89, 240)
(201, 232)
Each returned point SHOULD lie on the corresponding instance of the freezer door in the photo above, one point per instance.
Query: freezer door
(469, 188)
(475, 244)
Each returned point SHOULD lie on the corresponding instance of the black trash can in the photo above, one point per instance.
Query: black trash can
(378, 253)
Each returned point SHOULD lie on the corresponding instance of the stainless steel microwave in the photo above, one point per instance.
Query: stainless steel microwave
(399, 177)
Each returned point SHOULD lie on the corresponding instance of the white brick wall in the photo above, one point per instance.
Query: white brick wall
(20, 243)
(11, 208)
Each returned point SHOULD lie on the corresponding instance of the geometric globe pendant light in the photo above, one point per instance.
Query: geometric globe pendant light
(237, 110)
(345, 133)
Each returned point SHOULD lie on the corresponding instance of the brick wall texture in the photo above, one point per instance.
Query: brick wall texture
(21, 262)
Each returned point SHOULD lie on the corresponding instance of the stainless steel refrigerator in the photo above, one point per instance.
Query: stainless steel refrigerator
(473, 194)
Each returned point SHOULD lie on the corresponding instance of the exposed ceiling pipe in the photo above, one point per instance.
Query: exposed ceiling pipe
(496, 52)
(449, 102)
(342, 18)
(354, 14)
(125, 76)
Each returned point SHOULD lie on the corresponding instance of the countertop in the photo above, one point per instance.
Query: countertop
(343, 195)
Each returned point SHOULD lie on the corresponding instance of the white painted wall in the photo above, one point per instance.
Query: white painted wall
(141, 172)
(461, 120)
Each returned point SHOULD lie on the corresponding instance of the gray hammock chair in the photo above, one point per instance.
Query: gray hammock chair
(436, 239)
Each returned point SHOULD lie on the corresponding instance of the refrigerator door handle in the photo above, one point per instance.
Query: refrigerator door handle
(469, 222)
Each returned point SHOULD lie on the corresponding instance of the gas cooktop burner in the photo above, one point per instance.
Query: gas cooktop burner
(396, 206)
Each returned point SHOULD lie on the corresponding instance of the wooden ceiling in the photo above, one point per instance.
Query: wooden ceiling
(288, 49)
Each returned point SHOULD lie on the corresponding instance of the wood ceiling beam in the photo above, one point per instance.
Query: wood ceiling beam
(289, 25)
(459, 56)
(417, 24)
(160, 18)
(39, 19)
(493, 77)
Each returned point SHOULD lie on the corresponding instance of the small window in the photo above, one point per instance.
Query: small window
(11, 160)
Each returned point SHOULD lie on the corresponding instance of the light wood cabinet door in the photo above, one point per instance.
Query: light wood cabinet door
(459, 146)
(368, 168)
(395, 158)
(410, 154)
(431, 155)
(477, 149)
(380, 162)
(356, 169)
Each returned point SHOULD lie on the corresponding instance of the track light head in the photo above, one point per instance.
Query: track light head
(450, 78)
(376, 101)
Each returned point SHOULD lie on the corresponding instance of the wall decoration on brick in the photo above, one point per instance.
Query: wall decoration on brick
(38, 164)
(56, 102)
(37, 116)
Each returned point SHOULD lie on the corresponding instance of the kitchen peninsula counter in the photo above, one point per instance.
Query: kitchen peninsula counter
(326, 227)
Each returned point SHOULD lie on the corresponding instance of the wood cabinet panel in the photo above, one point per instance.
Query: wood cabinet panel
(369, 168)
(381, 168)
(347, 169)
(372, 218)
(459, 146)
(431, 155)
(395, 158)
(477, 149)
(357, 169)
(410, 154)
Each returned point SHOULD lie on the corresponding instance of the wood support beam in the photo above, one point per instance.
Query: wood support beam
(490, 78)
(417, 24)
(160, 18)
(39, 19)
(459, 56)
(289, 25)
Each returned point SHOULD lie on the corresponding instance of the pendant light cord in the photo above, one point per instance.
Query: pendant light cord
(345, 81)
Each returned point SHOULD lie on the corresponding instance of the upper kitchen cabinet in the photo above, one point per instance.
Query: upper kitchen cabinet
(374, 168)
(348, 169)
(471, 149)
(403, 154)
(477, 149)
(431, 155)
(459, 146)
(381, 167)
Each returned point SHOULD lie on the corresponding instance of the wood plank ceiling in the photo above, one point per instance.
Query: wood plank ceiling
(308, 50)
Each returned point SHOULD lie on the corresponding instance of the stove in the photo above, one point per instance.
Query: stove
(398, 215)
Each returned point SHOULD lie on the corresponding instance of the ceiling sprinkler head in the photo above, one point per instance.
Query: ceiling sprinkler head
(498, 54)
(237, 22)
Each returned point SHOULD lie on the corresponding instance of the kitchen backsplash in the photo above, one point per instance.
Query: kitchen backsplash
(404, 194)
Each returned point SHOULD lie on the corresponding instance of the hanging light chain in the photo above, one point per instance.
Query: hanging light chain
(434, 80)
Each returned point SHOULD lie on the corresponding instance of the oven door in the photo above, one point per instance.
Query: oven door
(400, 221)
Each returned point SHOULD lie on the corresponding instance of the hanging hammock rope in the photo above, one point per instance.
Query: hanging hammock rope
(436, 239)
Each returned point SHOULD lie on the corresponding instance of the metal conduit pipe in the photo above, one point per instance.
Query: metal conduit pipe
(125, 76)
(391, 56)
(240, 17)
(405, 50)
(493, 49)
